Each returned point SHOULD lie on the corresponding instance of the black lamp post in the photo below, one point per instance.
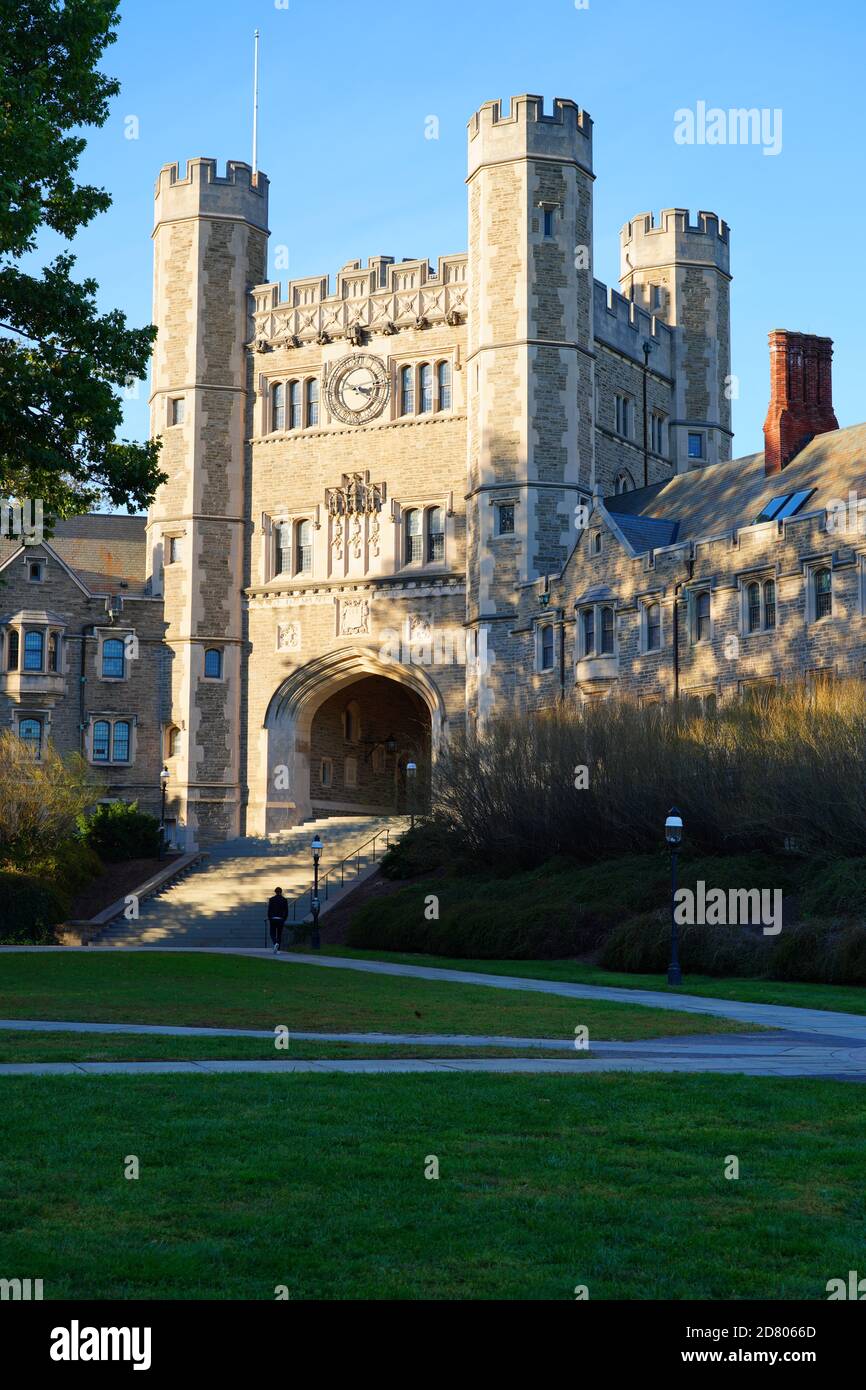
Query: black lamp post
(674, 836)
(317, 848)
(411, 770)
(163, 782)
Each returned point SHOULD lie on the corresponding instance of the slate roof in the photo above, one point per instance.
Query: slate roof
(106, 550)
(723, 497)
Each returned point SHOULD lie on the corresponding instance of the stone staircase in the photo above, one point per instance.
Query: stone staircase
(224, 902)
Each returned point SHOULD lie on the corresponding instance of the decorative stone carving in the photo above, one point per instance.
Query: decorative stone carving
(354, 617)
(288, 637)
(356, 496)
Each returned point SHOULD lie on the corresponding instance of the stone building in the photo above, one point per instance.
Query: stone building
(419, 495)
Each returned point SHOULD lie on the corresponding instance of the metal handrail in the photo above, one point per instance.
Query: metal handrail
(355, 856)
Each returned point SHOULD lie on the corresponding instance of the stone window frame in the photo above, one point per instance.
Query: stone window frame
(541, 626)
(628, 408)
(42, 717)
(595, 542)
(47, 631)
(498, 502)
(745, 582)
(206, 650)
(644, 604)
(549, 220)
(811, 569)
(38, 565)
(411, 368)
(175, 411)
(272, 527)
(351, 720)
(326, 764)
(757, 685)
(112, 720)
(112, 634)
(623, 476)
(305, 405)
(597, 609)
(701, 694)
(693, 596)
(350, 763)
(701, 436)
(172, 735)
(659, 419)
(426, 506)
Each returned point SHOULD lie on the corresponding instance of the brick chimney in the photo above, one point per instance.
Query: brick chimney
(801, 395)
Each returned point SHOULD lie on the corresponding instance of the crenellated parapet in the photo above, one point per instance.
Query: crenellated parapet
(676, 238)
(525, 130)
(624, 325)
(383, 296)
(202, 192)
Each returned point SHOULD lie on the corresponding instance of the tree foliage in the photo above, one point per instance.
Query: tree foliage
(62, 363)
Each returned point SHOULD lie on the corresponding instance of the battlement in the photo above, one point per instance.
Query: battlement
(526, 129)
(202, 191)
(625, 325)
(645, 243)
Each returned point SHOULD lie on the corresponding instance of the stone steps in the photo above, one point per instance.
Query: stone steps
(224, 903)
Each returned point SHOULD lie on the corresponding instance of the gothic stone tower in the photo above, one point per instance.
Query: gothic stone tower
(210, 241)
(529, 364)
(681, 273)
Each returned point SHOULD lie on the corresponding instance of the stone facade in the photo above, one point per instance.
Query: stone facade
(405, 502)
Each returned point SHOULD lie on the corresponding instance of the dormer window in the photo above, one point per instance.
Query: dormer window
(35, 571)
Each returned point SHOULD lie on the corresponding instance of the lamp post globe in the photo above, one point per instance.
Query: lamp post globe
(674, 837)
(411, 770)
(316, 848)
(163, 787)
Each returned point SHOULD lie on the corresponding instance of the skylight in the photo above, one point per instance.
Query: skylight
(779, 508)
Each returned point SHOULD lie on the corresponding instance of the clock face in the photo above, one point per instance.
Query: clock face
(358, 388)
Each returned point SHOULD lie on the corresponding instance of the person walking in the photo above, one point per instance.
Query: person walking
(278, 911)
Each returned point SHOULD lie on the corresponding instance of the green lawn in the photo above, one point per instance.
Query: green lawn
(844, 998)
(243, 992)
(317, 1182)
(143, 1047)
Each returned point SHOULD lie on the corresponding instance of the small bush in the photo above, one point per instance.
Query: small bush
(73, 863)
(31, 909)
(429, 846)
(642, 946)
(118, 830)
(837, 890)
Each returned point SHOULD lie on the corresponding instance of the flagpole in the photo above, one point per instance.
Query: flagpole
(256, 105)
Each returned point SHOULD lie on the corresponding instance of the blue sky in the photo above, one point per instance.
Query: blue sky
(346, 90)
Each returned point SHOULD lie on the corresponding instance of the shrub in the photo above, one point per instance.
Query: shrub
(745, 779)
(72, 863)
(30, 909)
(838, 889)
(431, 845)
(118, 830)
(642, 946)
(41, 802)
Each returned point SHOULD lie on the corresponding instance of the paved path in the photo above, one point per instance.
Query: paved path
(810, 1042)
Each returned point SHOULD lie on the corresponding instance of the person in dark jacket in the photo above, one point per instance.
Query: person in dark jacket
(278, 911)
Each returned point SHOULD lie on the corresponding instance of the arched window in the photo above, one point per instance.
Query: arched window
(702, 617)
(623, 483)
(34, 646)
(112, 659)
(425, 378)
(653, 627)
(304, 548)
(53, 650)
(443, 374)
(294, 405)
(435, 535)
(352, 722)
(12, 650)
(607, 631)
(312, 401)
(172, 742)
(120, 742)
(823, 594)
(753, 606)
(770, 603)
(213, 663)
(407, 391)
(101, 741)
(283, 548)
(587, 624)
(30, 733)
(547, 647)
(278, 407)
(414, 537)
